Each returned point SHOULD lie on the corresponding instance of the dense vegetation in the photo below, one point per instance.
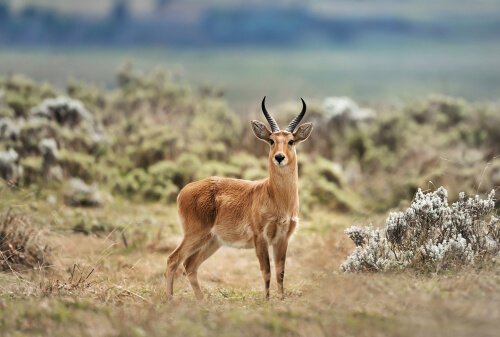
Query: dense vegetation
(150, 136)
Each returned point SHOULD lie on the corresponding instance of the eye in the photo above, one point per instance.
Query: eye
(271, 141)
(290, 142)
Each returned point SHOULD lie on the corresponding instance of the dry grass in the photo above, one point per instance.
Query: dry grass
(21, 244)
(100, 286)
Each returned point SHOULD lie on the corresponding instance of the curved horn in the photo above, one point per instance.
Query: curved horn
(296, 120)
(270, 119)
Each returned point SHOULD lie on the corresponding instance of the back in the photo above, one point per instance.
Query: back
(216, 199)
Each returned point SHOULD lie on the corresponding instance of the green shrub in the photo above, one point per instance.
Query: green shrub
(77, 164)
(6, 111)
(167, 171)
(322, 183)
(487, 129)
(150, 145)
(93, 97)
(132, 183)
(32, 169)
(214, 130)
(22, 94)
(161, 182)
(251, 167)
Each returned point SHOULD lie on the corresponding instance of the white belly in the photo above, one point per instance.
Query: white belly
(234, 236)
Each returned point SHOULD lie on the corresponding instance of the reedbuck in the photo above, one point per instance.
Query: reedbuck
(244, 214)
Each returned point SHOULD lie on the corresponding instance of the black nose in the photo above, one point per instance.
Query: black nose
(279, 157)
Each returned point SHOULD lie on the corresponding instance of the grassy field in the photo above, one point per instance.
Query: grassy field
(110, 283)
(105, 275)
(366, 71)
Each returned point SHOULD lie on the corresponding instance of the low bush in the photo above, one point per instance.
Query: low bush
(430, 234)
(322, 182)
(23, 93)
(77, 164)
(158, 184)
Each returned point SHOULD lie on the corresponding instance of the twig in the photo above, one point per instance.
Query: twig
(481, 178)
(18, 276)
(124, 239)
(132, 293)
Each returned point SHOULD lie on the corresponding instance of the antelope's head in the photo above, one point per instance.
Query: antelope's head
(282, 142)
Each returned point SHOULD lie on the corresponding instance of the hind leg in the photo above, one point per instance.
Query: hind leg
(194, 261)
(190, 244)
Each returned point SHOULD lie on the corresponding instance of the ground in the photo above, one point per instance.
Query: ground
(109, 282)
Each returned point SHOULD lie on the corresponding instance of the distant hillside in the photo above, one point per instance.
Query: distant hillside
(193, 23)
(408, 8)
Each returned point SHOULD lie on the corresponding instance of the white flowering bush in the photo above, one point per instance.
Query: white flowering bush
(430, 234)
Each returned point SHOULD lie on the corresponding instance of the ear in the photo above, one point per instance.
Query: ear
(303, 132)
(260, 130)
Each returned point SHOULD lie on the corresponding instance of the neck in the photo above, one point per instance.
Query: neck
(283, 186)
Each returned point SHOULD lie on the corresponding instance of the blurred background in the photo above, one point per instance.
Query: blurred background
(108, 108)
(141, 97)
(371, 50)
(112, 85)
